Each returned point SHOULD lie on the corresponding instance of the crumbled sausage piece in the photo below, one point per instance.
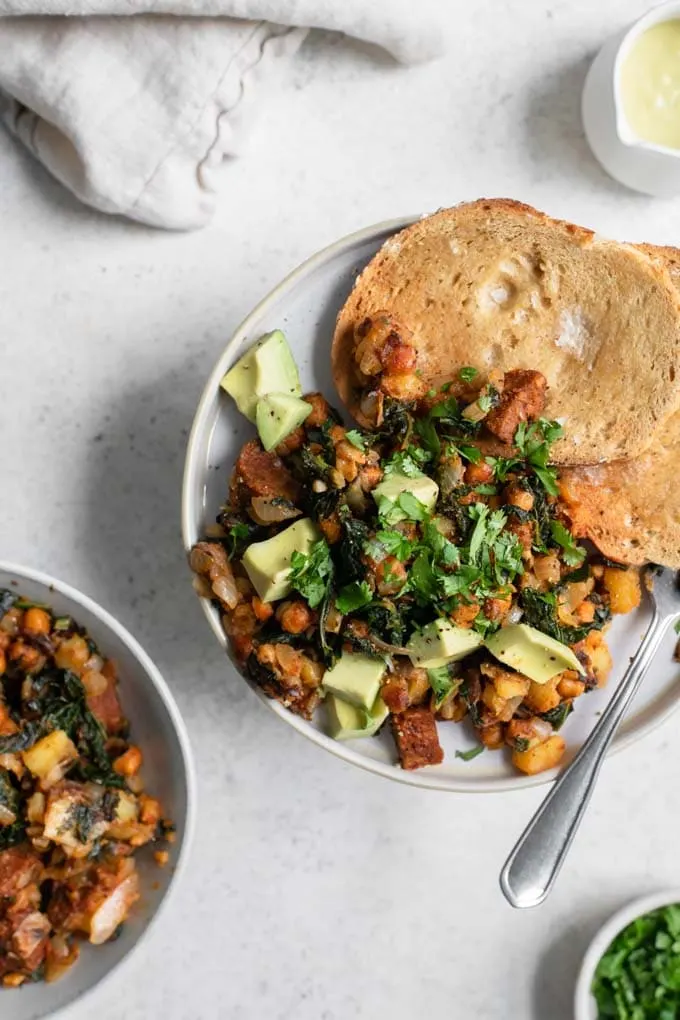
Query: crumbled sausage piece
(258, 473)
(18, 868)
(522, 399)
(415, 732)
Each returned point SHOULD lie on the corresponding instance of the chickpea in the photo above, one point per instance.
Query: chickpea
(497, 608)
(390, 576)
(320, 410)
(26, 656)
(464, 614)
(263, 610)
(149, 810)
(569, 686)
(3, 662)
(517, 495)
(492, 736)
(36, 621)
(294, 617)
(585, 613)
(547, 568)
(129, 763)
(370, 476)
(478, 474)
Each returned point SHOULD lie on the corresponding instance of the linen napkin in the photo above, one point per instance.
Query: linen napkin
(134, 104)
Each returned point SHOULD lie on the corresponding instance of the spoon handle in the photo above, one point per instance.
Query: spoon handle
(534, 863)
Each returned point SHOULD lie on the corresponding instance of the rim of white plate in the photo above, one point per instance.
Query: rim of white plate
(425, 778)
(151, 670)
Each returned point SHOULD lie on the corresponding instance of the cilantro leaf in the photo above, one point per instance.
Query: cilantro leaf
(472, 753)
(356, 438)
(353, 596)
(407, 462)
(442, 683)
(412, 507)
(573, 554)
(467, 374)
(394, 543)
(312, 574)
(238, 533)
(534, 441)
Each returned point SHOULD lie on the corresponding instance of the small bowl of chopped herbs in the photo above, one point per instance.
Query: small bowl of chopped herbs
(631, 970)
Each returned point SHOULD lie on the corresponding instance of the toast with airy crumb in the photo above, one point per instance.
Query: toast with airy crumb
(497, 285)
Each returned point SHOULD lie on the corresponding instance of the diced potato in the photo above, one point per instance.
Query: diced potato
(600, 657)
(511, 685)
(492, 736)
(542, 697)
(541, 757)
(72, 654)
(570, 685)
(496, 705)
(50, 755)
(125, 820)
(623, 587)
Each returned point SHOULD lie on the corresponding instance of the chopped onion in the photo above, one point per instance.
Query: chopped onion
(226, 591)
(7, 817)
(272, 510)
(515, 614)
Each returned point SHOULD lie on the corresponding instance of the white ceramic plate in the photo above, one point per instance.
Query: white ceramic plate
(169, 774)
(305, 306)
(585, 1006)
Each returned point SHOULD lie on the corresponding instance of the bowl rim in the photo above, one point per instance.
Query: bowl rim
(584, 1008)
(423, 778)
(161, 686)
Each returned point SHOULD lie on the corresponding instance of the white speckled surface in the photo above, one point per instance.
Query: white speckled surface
(317, 892)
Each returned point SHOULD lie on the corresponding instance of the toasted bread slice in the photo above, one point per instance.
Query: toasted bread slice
(498, 285)
(631, 509)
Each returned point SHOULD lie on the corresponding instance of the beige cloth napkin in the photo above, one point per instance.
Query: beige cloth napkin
(134, 104)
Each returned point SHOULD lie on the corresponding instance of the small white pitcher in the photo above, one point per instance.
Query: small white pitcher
(642, 166)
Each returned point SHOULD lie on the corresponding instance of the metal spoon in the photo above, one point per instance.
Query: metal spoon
(532, 867)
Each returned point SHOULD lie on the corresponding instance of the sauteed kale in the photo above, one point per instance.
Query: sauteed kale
(441, 524)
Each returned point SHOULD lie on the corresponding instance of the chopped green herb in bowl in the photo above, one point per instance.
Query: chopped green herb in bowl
(632, 969)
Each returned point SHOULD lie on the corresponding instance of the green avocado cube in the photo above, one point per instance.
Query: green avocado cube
(441, 642)
(425, 490)
(268, 563)
(277, 415)
(347, 722)
(355, 678)
(267, 367)
(531, 652)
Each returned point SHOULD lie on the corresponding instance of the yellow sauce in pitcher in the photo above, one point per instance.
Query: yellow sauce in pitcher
(649, 85)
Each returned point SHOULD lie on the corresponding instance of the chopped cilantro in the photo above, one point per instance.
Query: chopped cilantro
(356, 438)
(467, 374)
(409, 462)
(442, 683)
(312, 574)
(445, 387)
(466, 451)
(238, 533)
(472, 753)
(573, 554)
(639, 974)
(394, 543)
(431, 393)
(353, 596)
(534, 442)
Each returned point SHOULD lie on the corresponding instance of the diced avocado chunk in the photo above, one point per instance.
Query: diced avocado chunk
(267, 367)
(441, 642)
(391, 488)
(277, 415)
(268, 563)
(355, 678)
(347, 722)
(531, 652)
